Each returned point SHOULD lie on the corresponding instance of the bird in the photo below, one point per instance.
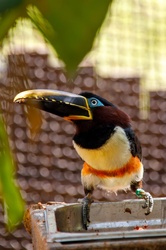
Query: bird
(104, 139)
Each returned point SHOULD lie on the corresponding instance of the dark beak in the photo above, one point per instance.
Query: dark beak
(64, 104)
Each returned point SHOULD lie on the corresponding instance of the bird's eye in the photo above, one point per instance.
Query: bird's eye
(94, 102)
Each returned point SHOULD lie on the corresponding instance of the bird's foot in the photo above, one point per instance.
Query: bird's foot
(140, 193)
(86, 202)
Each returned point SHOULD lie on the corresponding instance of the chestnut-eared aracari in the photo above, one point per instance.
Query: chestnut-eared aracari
(104, 139)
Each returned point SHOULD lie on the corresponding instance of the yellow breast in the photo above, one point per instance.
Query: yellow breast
(114, 154)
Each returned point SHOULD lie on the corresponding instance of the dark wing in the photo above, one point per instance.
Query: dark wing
(135, 145)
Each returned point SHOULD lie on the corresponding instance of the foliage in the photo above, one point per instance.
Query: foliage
(13, 203)
(69, 26)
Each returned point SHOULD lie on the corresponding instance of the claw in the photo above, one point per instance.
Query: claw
(148, 200)
(86, 202)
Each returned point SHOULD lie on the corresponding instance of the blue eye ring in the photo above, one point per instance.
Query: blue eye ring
(94, 102)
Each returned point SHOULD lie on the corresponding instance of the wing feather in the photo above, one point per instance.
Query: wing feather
(135, 145)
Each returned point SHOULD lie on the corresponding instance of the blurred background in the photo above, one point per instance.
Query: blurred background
(126, 65)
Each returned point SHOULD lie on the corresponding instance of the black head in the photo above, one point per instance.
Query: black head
(95, 101)
(105, 112)
(86, 109)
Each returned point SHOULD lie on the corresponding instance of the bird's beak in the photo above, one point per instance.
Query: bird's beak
(67, 105)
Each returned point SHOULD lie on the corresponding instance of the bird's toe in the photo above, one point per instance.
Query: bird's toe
(86, 202)
(149, 203)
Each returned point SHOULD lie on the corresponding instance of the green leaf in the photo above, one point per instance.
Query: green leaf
(70, 26)
(8, 17)
(8, 4)
(13, 203)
